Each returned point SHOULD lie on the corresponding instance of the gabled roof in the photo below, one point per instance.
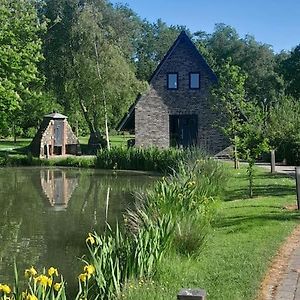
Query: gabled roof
(182, 37)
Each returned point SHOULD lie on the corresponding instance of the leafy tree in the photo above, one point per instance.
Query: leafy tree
(228, 98)
(283, 129)
(253, 141)
(99, 78)
(264, 84)
(240, 119)
(20, 54)
(154, 41)
(290, 68)
(89, 52)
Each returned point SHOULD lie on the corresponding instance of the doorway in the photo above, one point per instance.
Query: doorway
(183, 130)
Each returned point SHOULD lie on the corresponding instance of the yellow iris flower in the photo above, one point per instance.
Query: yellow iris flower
(43, 280)
(82, 277)
(90, 239)
(52, 271)
(5, 288)
(89, 269)
(30, 272)
(57, 286)
(31, 297)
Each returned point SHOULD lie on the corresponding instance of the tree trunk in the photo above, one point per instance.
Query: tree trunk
(103, 94)
(250, 172)
(236, 158)
(106, 122)
(95, 140)
(14, 133)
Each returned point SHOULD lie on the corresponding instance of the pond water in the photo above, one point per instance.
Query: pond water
(46, 213)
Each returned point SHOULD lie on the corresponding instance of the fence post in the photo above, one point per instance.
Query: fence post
(191, 294)
(273, 161)
(297, 174)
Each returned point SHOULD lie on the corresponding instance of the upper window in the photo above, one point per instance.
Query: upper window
(194, 80)
(172, 81)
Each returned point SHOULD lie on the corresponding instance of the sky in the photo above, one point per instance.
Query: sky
(274, 22)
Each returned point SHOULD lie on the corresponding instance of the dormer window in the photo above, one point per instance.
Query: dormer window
(172, 83)
(194, 81)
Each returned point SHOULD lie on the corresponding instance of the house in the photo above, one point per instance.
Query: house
(175, 111)
(54, 137)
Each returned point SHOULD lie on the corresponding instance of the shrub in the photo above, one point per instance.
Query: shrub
(148, 159)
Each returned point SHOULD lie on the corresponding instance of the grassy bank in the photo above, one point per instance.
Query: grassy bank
(118, 158)
(246, 235)
(8, 145)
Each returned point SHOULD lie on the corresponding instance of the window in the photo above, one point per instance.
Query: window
(172, 81)
(194, 80)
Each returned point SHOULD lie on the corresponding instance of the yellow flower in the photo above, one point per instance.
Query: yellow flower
(42, 279)
(31, 297)
(82, 277)
(57, 286)
(90, 239)
(5, 288)
(49, 281)
(30, 272)
(89, 269)
(52, 271)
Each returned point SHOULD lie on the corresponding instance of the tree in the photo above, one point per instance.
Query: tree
(283, 129)
(154, 41)
(264, 83)
(94, 73)
(241, 120)
(20, 54)
(290, 68)
(98, 64)
(228, 98)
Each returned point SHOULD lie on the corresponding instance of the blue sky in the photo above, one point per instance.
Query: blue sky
(274, 22)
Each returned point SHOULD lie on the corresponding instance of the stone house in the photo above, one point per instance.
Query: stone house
(175, 111)
(54, 137)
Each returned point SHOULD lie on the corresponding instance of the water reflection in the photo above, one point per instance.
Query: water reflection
(58, 186)
(46, 214)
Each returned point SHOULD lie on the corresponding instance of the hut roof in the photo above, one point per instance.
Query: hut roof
(55, 116)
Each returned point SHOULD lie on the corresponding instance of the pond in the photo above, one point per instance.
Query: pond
(46, 214)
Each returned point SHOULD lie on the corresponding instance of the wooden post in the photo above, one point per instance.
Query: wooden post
(297, 174)
(273, 164)
(191, 294)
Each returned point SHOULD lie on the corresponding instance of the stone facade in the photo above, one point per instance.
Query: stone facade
(153, 110)
(45, 144)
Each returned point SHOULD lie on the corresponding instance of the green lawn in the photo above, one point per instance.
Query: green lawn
(9, 145)
(245, 237)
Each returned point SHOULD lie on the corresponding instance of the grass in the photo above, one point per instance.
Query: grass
(246, 235)
(8, 145)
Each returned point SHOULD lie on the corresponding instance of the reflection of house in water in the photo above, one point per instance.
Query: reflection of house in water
(58, 186)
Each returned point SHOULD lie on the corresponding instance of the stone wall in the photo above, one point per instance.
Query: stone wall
(45, 138)
(153, 109)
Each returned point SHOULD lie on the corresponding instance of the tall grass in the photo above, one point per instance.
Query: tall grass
(174, 215)
(18, 160)
(147, 159)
